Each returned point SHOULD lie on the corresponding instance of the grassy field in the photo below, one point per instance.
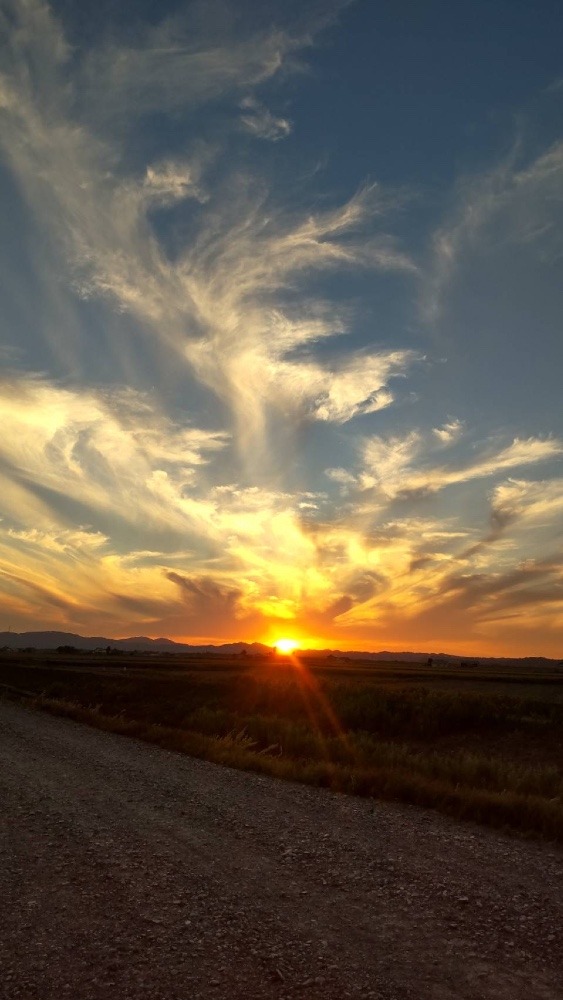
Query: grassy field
(478, 743)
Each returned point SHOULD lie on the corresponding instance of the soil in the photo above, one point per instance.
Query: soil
(131, 872)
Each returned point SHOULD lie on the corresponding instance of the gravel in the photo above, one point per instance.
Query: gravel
(127, 871)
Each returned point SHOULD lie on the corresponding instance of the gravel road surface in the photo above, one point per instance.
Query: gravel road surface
(130, 872)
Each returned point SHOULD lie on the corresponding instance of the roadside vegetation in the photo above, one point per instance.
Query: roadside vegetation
(483, 745)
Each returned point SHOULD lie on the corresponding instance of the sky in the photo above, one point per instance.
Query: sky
(281, 308)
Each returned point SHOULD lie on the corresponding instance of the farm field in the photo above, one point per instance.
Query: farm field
(482, 743)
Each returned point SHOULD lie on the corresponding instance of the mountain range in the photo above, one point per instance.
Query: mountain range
(143, 644)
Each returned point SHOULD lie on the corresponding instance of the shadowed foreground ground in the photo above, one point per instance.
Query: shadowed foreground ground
(127, 871)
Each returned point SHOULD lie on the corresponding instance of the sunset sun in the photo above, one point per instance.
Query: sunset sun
(286, 646)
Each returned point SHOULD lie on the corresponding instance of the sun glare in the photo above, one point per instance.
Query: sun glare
(286, 646)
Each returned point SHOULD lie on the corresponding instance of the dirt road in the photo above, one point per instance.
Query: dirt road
(130, 872)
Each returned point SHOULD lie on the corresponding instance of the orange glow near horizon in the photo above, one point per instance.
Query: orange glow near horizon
(286, 646)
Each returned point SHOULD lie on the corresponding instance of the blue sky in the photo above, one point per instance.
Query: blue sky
(280, 322)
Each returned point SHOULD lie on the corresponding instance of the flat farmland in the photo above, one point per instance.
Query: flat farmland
(481, 743)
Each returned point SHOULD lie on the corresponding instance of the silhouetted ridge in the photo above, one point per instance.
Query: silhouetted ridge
(54, 640)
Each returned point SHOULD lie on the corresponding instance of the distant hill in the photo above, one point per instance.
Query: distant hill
(142, 644)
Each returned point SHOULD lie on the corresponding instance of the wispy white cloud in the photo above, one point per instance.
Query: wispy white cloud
(169, 182)
(69, 542)
(171, 68)
(449, 433)
(514, 204)
(392, 465)
(218, 305)
(261, 123)
(387, 461)
(357, 385)
(99, 450)
(528, 501)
